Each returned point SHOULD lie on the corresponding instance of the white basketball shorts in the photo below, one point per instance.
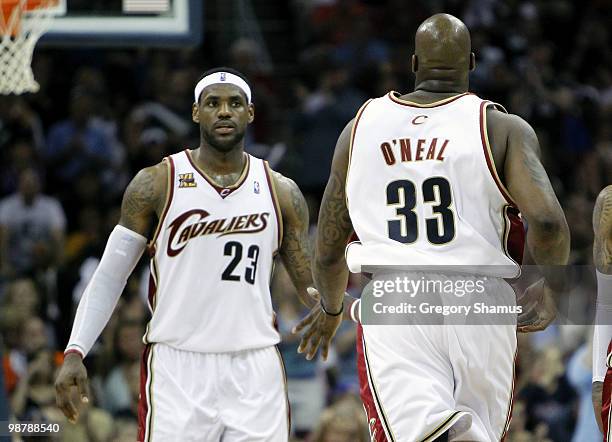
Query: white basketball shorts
(212, 397)
(419, 381)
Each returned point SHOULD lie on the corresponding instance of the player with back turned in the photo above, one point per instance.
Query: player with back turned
(213, 219)
(436, 177)
(602, 337)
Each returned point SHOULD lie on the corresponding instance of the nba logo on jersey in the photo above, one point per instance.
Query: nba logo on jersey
(256, 186)
(222, 76)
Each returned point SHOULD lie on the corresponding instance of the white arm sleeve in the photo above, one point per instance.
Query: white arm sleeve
(603, 326)
(123, 250)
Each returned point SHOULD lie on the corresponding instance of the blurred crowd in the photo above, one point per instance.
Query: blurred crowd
(68, 151)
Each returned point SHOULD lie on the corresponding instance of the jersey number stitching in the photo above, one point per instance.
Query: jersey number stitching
(440, 228)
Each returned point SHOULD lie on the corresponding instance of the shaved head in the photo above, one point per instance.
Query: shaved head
(442, 54)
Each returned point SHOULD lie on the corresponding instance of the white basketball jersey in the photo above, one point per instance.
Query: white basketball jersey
(422, 188)
(212, 259)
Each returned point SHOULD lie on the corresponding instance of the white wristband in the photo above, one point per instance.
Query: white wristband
(354, 312)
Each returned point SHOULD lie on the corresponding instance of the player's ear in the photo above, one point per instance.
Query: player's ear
(415, 63)
(472, 61)
(251, 113)
(195, 113)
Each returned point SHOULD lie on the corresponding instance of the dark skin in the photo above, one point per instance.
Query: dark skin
(602, 257)
(441, 63)
(223, 115)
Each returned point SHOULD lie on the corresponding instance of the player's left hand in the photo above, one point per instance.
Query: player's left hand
(320, 332)
(596, 396)
(539, 308)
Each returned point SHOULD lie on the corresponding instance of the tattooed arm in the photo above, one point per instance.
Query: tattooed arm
(548, 237)
(602, 256)
(602, 228)
(334, 229)
(329, 270)
(144, 198)
(295, 247)
(126, 243)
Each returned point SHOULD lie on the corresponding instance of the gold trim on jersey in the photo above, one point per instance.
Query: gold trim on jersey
(351, 141)
(277, 207)
(506, 235)
(377, 402)
(153, 299)
(395, 96)
(216, 186)
(609, 361)
(167, 202)
(489, 153)
(149, 399)
(511, 400)
(282, 364)
(443, 426)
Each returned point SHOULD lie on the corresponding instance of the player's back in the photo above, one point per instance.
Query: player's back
(422, 188)
(212, 259)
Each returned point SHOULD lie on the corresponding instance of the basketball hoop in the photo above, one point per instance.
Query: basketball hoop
(22, 22)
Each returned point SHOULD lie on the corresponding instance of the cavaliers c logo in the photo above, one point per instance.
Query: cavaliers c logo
(419, 119)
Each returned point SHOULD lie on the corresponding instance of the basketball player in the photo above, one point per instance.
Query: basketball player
(437, 176)
(602, 338)
(213, 219)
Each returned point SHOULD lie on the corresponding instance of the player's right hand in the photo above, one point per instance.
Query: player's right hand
(72, 374)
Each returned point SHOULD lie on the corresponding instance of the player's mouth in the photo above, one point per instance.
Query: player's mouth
(224, 128)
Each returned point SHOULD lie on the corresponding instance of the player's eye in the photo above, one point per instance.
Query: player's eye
(211, 103)
(236, 103)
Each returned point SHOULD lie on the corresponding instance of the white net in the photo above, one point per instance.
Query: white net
(22, 22)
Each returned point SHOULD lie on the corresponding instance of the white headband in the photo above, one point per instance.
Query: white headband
(222, 78)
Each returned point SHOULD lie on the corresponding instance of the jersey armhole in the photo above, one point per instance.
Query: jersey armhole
(276, 204)
(352, 140)
(488, 154)
(167, 203)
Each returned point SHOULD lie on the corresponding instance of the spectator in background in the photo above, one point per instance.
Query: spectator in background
(323, 114)
(76, 145)
(306, 383)
(579, 374)
(35, 390)
(32, 229)
(342, 422)
(118, 391)
(547, 396)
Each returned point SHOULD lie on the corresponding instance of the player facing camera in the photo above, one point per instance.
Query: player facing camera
(223, 108)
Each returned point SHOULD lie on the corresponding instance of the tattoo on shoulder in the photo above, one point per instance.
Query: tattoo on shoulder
(141, 196)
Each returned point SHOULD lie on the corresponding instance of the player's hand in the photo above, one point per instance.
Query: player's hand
(72, 374)
(539, 308)
(596, 397)
(320, 332)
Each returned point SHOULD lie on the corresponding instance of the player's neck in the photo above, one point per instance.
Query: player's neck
(213, 161)
(441, 87)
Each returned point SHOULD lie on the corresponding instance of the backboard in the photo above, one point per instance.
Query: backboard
(126, 23)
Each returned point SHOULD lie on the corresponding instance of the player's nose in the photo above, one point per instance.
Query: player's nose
(224, 110)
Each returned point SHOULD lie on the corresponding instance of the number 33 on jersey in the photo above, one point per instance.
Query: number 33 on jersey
(422, 188)
(212, 257)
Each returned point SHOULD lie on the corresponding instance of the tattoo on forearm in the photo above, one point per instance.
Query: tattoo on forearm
(334, 223)
(602, 224)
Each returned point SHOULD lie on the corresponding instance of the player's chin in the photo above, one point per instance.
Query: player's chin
(226, 142)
